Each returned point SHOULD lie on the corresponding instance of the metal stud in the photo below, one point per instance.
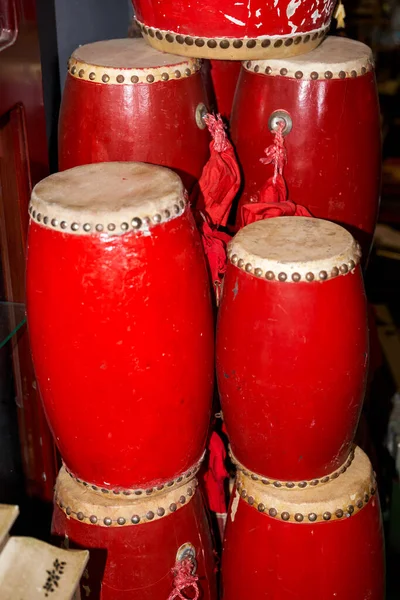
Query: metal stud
(248, 64)
(298, 517)
(240, 263)
(138, 492)
(121, 521)
(297, 40)
(170, 483)
(107, 521)
(180, 39)
(165, 76)
(149, 491)
(285, 516)
(265, 43)
(278, 43)
(63, 225)
(150, 32)
(124, 226)
(268, 70)
(256, 69)
(328, 74)
(283, 72)
(136, 223)
(272, 512)
(99, 227)
(352, 265)
(39, 217)
(353, 73)
(86, 227)
(261, 507)
(363, 70)
(150, 515)
(224, 44)
(173, 507)
(373, 491)
(176, 209)
(160, 511)
(159, 35)
(359, 504)
(325, 479)
(314, 482)
(182, 499)
(265, 481)
(277, 484)
(169, 38)
(312, 517)
(188, 72)
(298, 74)
(248, 268)
(111, 227)
(344, 269)
(290, 485)
(342, 75)
(289, 42)
(350, 509)
(181, 204)
(212, 44)
(199, 42)
(296, 277)
(334, 272)
(282, 276)
(189, 492)
(120, 78)
(105, 78)
(74, 226)
(326, 516)
(306, 39)
(93, 519)
(251, 43)
(366, 498)
(335, 475)
(323, 275)
(237, 44)
(150, 78)
(73, 70)
(68, 510)
(157, 218)
(250, 500)
(258, 272)
(314, 75)
(315, 36)
(135, 519)
(339, 513)
(80, 516)
(310, 276)
(243, 494)
(46, 220)
(160, 487)
(302, 484)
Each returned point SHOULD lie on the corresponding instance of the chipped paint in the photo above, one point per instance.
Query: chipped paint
(316, 15)
(293, 26)
(292, 7)
(234, 507)
(233, 20)
(258, 12)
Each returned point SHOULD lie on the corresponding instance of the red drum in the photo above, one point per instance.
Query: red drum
(135, 542)
(224, 76)
(228, 30)
(292, 347)
(323, 543)
(125, 101)
(333, 149)
(121, 323)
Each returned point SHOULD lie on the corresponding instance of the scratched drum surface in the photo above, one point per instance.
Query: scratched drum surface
(120, 322)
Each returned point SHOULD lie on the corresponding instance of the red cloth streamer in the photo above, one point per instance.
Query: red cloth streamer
(220, 179)
(214, 243)
(183, 579)
(272, 199)
(216, 475)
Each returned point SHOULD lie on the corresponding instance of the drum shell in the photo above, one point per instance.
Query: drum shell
(224, 77)
(333, 151)
(135, 562)
(268, 558)
(211, 18)
(153, 123)
(292, 362)
(121, 331)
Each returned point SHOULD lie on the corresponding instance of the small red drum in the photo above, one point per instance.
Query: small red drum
(329, 100)
(323, 543)
(121, 322)
(292, 347)
(135, 542)
(224, 76)
(228, 30)
(125, 101)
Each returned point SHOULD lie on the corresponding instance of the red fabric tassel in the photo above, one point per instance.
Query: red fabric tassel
(214, 243)
(220, 179)
(183, 579)
(216, 475)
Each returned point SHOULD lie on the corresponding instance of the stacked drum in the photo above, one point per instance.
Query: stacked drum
(121, 330)
(121, 319)
(292, 356)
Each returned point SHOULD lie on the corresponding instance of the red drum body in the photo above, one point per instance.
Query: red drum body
(132, 556)
(333, 149)
(123, 101)
(292, 347)
(120, 322)
(234, 31)
(224, 75)
(337, 553)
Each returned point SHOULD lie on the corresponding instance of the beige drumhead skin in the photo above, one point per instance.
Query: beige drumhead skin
(116, 510)
(339, 498)
(293, 249)
(335, 58)
(127, 62)
(113, 198)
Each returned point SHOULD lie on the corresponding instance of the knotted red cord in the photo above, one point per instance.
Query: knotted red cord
(183, 579)
(276, 153)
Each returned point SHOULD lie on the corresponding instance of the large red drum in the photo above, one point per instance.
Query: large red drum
(292, 347)
(323, 543)
(228, 30)
(333, 149)
(125, 101)
(120, 322)
(134, 543)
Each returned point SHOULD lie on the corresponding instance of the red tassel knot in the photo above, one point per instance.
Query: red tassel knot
(216, 128)
(184, 578)
(276, 153)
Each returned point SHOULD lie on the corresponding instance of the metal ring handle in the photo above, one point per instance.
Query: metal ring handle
(280, 115)
(201, 112)
(187, 551)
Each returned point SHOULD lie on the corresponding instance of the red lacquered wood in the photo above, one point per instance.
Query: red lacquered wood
(269, 559)
(146, 122)
(121, 330)
(224, 76)
(291, 364)
(333, 151)
(224, 18)
(134, 562)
